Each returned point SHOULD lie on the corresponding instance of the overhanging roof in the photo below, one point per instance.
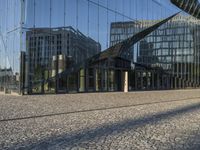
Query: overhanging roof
(118, 49)
(191, 7)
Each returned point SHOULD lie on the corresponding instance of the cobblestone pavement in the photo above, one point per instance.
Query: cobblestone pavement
(135, 120)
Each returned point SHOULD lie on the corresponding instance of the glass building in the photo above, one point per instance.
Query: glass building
(173, 47)
(51, 46)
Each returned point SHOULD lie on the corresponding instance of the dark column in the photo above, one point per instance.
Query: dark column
(136, 77)
(86, 80)
(94, 79)
(152, 80)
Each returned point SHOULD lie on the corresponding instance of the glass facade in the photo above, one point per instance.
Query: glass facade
(10, 43)
(173, 47)
(44, 46)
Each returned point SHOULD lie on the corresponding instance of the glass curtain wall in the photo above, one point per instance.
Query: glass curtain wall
(10, 45)
(55, 35)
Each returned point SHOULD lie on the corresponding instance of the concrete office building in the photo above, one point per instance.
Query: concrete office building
(45, 45)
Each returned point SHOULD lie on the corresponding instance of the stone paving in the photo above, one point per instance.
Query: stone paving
(136, 120)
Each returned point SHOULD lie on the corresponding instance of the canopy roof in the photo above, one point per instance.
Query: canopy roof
(119, 48)
(191, 7)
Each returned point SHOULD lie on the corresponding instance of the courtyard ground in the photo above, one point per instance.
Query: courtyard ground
(134, 120)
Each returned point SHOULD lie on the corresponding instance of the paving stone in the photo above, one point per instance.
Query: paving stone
(135, 120)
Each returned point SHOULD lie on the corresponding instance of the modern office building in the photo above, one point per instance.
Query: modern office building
(106, 71)
(55, 46)
(174, 47)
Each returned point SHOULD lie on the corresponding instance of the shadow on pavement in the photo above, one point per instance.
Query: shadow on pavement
(95, 109)
(84, 136)
(192, 143)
